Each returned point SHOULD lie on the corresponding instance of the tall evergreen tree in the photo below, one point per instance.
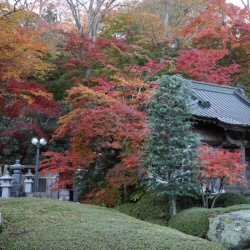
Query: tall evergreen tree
(171, 148)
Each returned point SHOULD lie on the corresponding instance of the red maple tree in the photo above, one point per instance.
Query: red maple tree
(106, 128)
(27, 109)
(89, 59)
(217, 46)
(219, 167)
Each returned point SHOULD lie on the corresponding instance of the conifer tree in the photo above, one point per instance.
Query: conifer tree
(171, 149)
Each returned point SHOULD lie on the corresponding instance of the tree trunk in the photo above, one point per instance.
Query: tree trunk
(96, 10)
(125, 193)
(214, 200)
(172, 204)
(74, 7)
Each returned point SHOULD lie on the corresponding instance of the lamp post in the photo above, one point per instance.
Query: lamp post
(38, 143)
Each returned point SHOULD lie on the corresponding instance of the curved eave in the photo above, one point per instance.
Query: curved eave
(226, 125)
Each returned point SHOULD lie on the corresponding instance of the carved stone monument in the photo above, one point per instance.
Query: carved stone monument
(17, 174)
(28, 182)
(6, 185)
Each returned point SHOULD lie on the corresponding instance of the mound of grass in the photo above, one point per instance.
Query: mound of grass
(195, 221)
(230, 199)
(38, 223)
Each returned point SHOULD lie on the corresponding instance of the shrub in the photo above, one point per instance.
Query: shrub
(195, 221)
(155, 209)
(150, 207)
(137, 194)
(230, 199)
(185, 202)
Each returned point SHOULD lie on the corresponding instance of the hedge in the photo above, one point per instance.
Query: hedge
(195, 221)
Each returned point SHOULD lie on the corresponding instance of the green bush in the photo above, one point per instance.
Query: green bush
(195, 221)
(230, 199)
(185, 202)
(155, 209)
(137, 194)
(1, 223)
(150, 208)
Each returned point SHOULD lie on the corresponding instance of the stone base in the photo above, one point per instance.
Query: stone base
(33, 194)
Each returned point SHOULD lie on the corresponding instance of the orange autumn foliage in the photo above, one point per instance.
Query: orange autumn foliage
(216, 44)
(21, 51)
(106, 129)
(221, 164)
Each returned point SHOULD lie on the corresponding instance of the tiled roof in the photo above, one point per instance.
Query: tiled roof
(226, 104)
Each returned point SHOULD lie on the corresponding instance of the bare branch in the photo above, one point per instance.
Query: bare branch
(96, 10)
(16, 8)
(245, 4)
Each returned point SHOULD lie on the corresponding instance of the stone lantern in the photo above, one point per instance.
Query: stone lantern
(6, 185)
(28, 182)
(17, 171)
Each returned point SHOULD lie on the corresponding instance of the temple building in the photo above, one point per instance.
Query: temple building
(222, 119)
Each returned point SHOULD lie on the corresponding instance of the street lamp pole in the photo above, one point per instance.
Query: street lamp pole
(37, 164)
(38, 143)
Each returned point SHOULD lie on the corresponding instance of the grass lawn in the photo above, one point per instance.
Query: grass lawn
(38, 223)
